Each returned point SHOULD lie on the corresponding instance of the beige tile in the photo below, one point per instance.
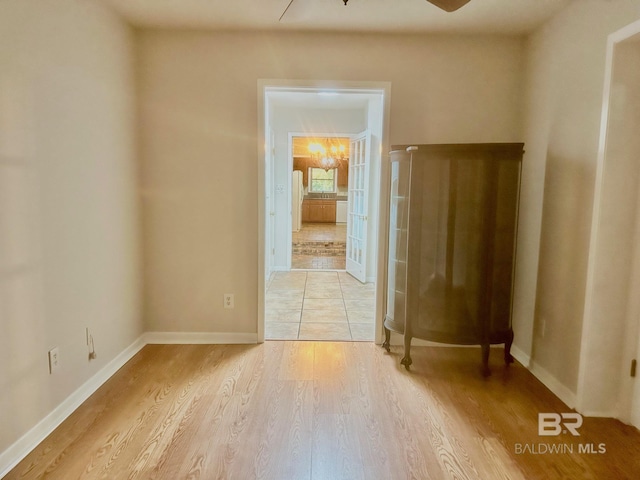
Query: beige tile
(323, 292)
(358, 292)
(282, 316)
(321, 231)
(311, 306)
(361, 316)
(322, 278)
(295, 276)
(360, 303)
(324, 331)
(283, 286)
(324, 316)
(288, 281)
(281, 331)
(323, 304)
(283, 304)
(285, 295)
(362, 331)
(346, 279)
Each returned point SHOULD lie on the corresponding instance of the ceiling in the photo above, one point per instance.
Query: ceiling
(410, 16)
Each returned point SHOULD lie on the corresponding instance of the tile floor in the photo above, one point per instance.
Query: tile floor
(317, 233)
(319, 306)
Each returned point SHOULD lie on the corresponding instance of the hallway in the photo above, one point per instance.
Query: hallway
(319, 306)
(319, 246)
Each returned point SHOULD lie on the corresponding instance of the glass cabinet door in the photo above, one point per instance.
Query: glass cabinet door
(398, 236)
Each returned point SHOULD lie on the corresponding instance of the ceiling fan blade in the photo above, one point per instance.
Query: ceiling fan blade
(285, 10)
(449, 5)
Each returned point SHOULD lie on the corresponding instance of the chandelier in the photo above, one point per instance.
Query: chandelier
(328, 155)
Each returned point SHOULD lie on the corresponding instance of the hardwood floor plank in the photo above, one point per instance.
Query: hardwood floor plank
(408, 455)
(336, 449)
(302, 410)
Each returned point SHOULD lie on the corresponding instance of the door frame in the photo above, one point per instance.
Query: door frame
(608, 337)
(264, 86)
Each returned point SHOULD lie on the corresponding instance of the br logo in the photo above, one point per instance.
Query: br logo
(552, 424)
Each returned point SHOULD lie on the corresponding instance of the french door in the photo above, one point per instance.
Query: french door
(358, 205)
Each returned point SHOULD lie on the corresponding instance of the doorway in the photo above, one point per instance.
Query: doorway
(337, 305)
(319, 201)
(607, 385)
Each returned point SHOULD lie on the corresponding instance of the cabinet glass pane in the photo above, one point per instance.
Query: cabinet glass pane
(397, 266)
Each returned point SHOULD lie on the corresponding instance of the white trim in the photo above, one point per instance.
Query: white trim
(549, 381)
(266, 86)
(30, 440)
(553, 384)
(589, 321)
(520, 356)
(186, 338)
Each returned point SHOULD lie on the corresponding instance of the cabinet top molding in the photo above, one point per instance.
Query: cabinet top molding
(497, 148)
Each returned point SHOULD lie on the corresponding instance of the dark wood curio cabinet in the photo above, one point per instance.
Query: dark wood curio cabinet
(452, 237)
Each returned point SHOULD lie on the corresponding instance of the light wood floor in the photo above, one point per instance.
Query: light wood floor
(303, 410)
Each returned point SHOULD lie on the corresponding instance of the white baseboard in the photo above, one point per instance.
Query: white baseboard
(200, 338)
(21, 448)
(30, 440)
(520, 356)
(549, 381)
(553, 384)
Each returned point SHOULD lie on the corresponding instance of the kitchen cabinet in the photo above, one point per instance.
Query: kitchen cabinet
(452, 236)
(343, 174)
(319, 211)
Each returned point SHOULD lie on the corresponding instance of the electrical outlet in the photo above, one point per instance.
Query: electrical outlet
(228, 300)
(54, 360)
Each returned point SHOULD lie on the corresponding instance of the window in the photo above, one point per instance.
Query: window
(323, 181)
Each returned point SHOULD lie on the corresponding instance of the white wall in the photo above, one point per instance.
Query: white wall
(68, 202)
(199, 135)
(563, 100)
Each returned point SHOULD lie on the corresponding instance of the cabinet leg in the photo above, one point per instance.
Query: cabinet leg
(508, 358)
(387, 340)
(406, 360)
(486, 371)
